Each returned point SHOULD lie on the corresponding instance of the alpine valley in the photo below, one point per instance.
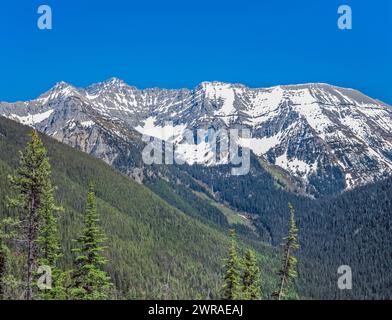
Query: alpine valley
(325, 149)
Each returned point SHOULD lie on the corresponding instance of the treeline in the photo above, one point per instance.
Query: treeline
(30, 240)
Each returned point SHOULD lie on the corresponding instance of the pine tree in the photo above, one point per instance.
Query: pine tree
(288, 273)
(232, 277)
(48, 237)
(90, 282)
(31, 183)
(49, 246)
(251, 277)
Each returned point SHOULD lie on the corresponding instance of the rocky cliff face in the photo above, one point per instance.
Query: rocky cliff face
(328, 138)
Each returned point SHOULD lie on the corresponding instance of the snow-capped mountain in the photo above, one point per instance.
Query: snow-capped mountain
(317, 133)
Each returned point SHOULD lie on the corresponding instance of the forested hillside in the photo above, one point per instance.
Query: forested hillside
(171, 244)
(352, 229)
(154, 249)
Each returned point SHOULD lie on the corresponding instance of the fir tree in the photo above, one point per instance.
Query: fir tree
(288, 273)
(232, 277)
(31, 183)
(49, 246)
(251, 277)
(48, 237)
(90, 282)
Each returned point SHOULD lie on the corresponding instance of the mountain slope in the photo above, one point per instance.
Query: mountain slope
(147, 241)
(155, 250)
(324, 138)
(353, 229)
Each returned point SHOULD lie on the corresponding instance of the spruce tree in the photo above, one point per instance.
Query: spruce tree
(49, 246)
(90, 282)
(251, 277)
(288, 273)
(31, 183)
(232, 278)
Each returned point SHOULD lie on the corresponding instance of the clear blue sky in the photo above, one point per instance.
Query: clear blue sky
(179, 43)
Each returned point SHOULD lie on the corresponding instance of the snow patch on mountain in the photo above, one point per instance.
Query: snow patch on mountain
(168, 132)
(260, 146)
(32, 119)
(300, 167)
(202, 153)
(87, 124)
(223, 93)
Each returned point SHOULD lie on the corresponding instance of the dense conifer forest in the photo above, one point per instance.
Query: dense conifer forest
(162, 240)
(353, 228)
(152, 250)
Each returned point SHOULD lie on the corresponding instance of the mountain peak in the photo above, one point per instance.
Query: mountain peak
(61, 85)
(105, 86)
(60, 89)
(114, 81)
(207, 84)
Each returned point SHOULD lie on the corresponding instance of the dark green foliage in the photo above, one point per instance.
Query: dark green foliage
(349, 229)
(49, 248)
(242, 277)
(90, 282)
(232, 278)
(154, 250)
(288, 273)
(48, 235)
(251, 277)
(3, 264)
(8, 283)
(32, 185)
(185, 200)
(34, 200)
(352, 228)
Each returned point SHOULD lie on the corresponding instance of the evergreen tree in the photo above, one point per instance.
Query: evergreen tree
(49, 246)
(288, 273)
(8, 282)
(251, 277)
(90, 282)
(32, 183)
(232, 277)
(3, 265)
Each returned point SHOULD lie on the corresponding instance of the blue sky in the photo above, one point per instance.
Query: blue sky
(178, 43)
